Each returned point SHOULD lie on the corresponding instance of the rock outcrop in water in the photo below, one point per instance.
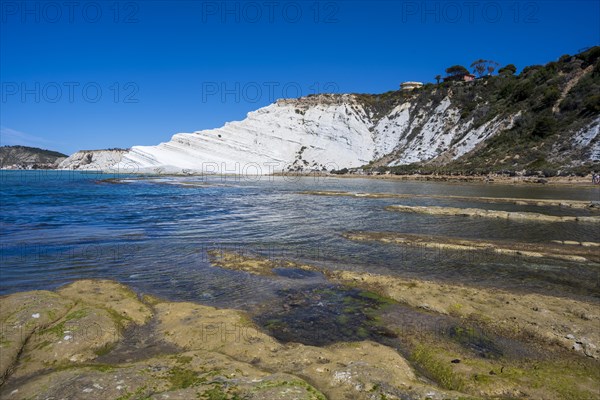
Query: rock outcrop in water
(484, 342)
(579, 204)
(493, 214)
(521, 315)
(577, 251)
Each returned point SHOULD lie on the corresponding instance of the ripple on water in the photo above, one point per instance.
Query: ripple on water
(160, 218)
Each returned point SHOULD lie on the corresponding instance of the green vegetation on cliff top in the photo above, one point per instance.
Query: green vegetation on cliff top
(553, 102)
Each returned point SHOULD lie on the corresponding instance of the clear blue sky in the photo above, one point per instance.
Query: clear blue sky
(163, 67)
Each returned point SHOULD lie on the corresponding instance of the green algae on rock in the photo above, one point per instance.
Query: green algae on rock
(209, 353)
(466, 357)
(220, 353)
(252, 264)
(21, 315)
(547, 319)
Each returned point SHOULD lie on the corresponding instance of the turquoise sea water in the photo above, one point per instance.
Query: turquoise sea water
(154, 233)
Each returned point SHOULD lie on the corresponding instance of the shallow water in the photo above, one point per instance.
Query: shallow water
(153, 234)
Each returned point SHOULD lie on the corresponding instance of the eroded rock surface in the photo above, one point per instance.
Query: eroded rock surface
(187, 350)
(480, 341)
(579, 204)
(21, 315)
(572, 251)
(495, 214)
(208, 353)
(548, 318)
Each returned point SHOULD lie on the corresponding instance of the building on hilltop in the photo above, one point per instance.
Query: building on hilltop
(410, 85)
(461, 77)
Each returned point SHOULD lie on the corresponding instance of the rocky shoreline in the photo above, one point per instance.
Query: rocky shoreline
(475, 178)
(60, 345)
(492, 214)
(571, 251)
(552, 333)
(578, 204)
(98, 339)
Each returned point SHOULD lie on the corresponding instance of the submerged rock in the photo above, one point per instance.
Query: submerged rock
(482, 213)
(534, 250)
(509, 313)
(499, 310)
(143, 347)
(579, 204)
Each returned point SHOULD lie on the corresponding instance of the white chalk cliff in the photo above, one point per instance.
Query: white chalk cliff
(315, 133)
(92, 160)
(308, 133)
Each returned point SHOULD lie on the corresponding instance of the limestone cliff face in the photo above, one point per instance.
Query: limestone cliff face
(326, 131)
(93, 160)
(334, 132)
(546, 117)
(321, 132)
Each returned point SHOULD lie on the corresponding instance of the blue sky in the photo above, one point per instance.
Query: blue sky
(100, 74)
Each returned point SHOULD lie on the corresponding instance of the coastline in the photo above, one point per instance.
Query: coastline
(122, 344)
(582, 181)
(400, 338)
(479, 179)
(118, 344)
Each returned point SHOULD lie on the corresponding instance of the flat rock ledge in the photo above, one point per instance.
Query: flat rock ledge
(69, 344)
(548, 319)
(495, 214)
(555, 340)
(568, 251)
(577, 204)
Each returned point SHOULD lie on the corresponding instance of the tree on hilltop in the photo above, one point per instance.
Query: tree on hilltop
(481, 66)
(509, 69)
(491, 66)
(457, 71)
